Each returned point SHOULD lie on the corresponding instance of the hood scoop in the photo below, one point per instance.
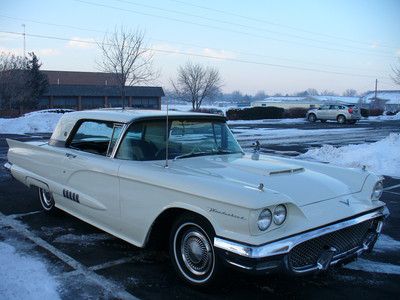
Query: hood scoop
(286, 171)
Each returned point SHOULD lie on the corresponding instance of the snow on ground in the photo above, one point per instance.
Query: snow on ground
(384, 118)
(83, 240)
(24, 277)
(386, 243)
(382, 157)
(244, 133)
(188, 107)
(30, 123)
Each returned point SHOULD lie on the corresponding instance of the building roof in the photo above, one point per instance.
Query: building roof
(309, 99)
(80, 78)
(68, 120)
(103, 90)
(391, 96)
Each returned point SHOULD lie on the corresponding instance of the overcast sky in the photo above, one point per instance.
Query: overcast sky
(276, 46)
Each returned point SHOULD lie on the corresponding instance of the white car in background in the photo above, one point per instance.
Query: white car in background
(337, 112)
(192, 189)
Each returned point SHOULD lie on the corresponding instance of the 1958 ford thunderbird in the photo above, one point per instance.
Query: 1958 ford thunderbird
(182, 180)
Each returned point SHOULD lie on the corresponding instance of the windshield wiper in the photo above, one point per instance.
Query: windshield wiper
(191, 154)
(213, 152)
(223, 151)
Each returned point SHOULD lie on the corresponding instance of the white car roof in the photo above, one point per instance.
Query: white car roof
(117, 115)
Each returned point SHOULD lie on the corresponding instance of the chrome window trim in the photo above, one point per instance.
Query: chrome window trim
(118, 143)
(284, 246)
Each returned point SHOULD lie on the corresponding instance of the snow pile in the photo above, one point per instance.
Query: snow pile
(382, 157)
(24, 277)
(385, 118)
(30, 123)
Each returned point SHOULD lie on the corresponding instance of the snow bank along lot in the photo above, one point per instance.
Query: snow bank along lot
(41, 121)
(382, 157)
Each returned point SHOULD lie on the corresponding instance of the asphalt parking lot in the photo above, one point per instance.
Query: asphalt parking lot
(89, 264)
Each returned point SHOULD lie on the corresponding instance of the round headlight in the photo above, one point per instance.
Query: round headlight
(264, 219)
(377, 191)
(279, 214)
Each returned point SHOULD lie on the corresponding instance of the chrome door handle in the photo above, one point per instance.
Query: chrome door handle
(69, 155)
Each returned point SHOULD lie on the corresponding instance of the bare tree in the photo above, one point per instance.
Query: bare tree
(125, 54)
(196, 83)
(350, 93)
(396, 74)
(13, 79)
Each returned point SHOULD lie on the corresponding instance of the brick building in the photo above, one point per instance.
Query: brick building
(86, 90)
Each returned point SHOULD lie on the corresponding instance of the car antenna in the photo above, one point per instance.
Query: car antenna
(166, 138)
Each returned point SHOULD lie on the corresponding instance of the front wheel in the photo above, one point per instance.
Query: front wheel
(312, 118)
(192, 250)
(341, 119)
(46, 200)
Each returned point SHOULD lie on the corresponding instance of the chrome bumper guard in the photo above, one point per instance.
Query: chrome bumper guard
(282, 247)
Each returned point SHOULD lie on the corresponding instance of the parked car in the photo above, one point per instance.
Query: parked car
(338, 112)
(193, 189)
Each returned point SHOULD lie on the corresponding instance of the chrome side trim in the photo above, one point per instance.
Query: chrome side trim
(285, 245)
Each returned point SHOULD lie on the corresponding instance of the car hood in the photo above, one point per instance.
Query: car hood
(303, 182)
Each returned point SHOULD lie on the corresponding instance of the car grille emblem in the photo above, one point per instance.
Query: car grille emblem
(347, 202)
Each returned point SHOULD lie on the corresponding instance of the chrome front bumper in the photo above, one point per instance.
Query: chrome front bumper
(275, 254)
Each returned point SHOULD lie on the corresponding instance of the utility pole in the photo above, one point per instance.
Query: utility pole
(376, 87)
(23, 35)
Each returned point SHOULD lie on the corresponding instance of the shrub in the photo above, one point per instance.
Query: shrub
(376, 112)
(295, 112)
(364, 112)
(255, 113)
(214, 111)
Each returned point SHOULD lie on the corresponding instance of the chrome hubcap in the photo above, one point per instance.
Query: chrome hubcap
(196, 252)
(46, 198)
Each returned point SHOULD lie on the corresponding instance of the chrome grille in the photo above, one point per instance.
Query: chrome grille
(307, 253)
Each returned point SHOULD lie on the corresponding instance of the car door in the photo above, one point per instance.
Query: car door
(322, 112)
(332, 112)
(91, 175)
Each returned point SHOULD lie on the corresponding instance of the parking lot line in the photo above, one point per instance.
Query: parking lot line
(111, 263)
(374, 267)
(113, 289)
(14, 216)
(391, 187)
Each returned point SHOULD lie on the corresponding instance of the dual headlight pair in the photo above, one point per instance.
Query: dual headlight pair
(266, 217)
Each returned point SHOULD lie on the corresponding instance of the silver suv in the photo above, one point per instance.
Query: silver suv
(340, 112)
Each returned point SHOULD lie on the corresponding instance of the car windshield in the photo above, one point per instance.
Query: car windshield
(146, 140)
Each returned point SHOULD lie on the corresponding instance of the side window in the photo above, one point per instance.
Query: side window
(135, 145)
(95, 137)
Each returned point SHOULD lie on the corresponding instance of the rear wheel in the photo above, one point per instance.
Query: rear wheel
(192, 250)
(341, 119)
(46, 200)
(312, 117)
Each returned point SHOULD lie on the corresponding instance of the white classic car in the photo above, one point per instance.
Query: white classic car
(196, 191)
